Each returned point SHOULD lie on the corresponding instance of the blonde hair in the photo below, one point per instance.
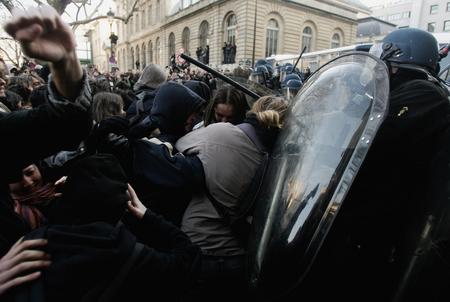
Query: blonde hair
(270, 111)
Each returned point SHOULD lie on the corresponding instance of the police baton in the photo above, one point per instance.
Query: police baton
(301, 54)
(220, 76)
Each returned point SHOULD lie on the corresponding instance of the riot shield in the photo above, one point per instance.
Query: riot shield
(329, 128)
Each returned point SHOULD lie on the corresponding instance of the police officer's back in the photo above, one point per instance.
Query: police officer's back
(384, 244)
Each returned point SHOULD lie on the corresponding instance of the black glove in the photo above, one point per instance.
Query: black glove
(115, 124)
(143, 128)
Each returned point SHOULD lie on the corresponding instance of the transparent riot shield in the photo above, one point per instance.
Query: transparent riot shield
(330, 126)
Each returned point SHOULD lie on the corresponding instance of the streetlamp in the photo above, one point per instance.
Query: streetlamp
(110, 15)
(113, 38)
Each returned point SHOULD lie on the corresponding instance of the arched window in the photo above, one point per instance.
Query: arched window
(132, 59)
(138, 58)
(272, 37)
(124, 62)
(230, 30)
(307, 37)
(204, 34)
(185, 39)
(171, 44)
(137, 22)
(144, 56)
(336, 41)
(143, 18)
(131, 26)
(150, 15)
(158, 51)
(150, 52)
(158, 11)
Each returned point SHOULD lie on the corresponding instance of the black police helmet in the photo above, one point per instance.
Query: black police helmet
(411, 46)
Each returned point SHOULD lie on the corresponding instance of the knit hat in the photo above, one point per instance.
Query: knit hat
(152, 76)
(95, 190)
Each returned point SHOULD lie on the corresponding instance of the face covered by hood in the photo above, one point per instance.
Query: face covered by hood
(95, 190)
(173, 105)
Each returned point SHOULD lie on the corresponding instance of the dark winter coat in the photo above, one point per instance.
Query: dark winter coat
(87, 258)
(30, 135)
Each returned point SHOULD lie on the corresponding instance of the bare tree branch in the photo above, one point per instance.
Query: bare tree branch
(74, 27)
(76, 23)
(58, 5)
(15, 61)
(8, 4)
(130, 14)
(39, 2)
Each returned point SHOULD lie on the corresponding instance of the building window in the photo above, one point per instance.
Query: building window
(123, 60)
(434, 9)
(204, 34)
(158, 11)
(137, 22)
(144, 56)
(138, 58)
(230, 31)
(272, 37)
(431, 27)
(143, 19)
(171, 45)
(406, 15)
(150, 15)
(395, 17)
(307, 37)
(158, 51)
(132, 59)
(150, 52)
(447, 25)
(448, 6)
(185, 39)
(336, 41)
(131, 26)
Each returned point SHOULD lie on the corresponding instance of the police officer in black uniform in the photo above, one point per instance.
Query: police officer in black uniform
(390, 240)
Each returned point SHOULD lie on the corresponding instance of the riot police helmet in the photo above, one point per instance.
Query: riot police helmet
(291, 89)
(260, 75)
(261, 62)
(409, 46)
(292, 76)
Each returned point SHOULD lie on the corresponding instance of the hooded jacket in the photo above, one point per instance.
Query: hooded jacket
(174, 103)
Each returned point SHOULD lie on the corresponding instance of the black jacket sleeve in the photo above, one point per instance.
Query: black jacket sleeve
(30, 135)
(170, 261)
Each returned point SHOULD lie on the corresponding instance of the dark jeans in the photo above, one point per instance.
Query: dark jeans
(220, 279)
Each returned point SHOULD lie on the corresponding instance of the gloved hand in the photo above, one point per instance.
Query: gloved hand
(143, 128)
(115, 124)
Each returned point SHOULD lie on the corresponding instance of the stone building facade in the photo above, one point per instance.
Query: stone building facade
(159, 28)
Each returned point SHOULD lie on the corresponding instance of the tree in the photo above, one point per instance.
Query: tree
(10, 49)
(79, 11)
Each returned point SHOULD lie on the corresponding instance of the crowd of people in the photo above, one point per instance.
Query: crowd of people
(126, 186)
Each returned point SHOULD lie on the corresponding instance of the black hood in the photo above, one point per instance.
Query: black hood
(199, 88)
(95, 190)
(172, 106)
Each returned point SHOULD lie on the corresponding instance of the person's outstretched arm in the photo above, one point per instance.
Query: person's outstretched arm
(43, 35)
(61, 124)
